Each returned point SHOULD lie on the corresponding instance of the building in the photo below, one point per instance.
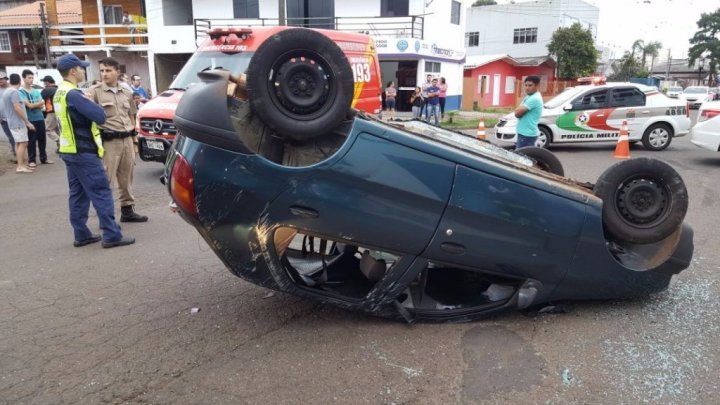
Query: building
(524, 29)
(17, 45)
(496, 80)
(413, 37)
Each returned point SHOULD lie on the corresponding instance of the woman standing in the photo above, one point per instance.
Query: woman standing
(390, 94)
(417, 102)
(443, 93)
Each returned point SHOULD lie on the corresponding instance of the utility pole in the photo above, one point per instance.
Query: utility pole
(45, 31)
(667, 71)
(281, 8)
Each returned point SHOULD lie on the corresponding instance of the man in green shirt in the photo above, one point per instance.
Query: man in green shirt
(528, 114)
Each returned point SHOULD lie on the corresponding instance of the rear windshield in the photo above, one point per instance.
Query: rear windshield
(696, 90)
(236, 63)
(675, 88)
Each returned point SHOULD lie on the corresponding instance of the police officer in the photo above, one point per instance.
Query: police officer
(118, 135)
(81, 149)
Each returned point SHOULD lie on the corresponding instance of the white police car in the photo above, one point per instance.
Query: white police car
(596, 113)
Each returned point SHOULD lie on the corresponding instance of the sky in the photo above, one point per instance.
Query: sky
(671, 22)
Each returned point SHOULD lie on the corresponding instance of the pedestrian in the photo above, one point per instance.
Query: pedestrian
(128, 21)
(81, 149)
(137, 88)
(417, 101)
(390, 95)
(123, 80)
(47, 94)
(17, 121)
(442, 96)
(34, 104)
(433, 102)
(3, 122)
(528, 114)
(118, 135)
(424, 87)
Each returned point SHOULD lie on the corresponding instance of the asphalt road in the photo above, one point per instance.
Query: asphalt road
(93, 325)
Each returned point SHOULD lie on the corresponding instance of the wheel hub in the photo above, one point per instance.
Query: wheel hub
(642, 201)
(301, 85)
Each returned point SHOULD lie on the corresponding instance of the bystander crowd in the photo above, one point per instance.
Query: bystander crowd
(17, 121)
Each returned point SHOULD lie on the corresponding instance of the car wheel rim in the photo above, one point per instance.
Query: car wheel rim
(301, 85)
(541, 140)
(642, 201)
(659, 137)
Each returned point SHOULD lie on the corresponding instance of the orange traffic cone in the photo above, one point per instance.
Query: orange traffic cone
(622, 150)
(481, 130)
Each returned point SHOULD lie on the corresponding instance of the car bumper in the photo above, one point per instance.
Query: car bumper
(153, 149)
(704, 138)
(505, 135)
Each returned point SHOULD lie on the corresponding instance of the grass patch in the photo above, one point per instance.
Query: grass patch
(468, 124)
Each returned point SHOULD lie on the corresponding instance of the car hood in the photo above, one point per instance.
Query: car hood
(163, 105)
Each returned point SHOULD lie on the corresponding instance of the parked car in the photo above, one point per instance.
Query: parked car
(407, 220)
(674, 91)
(232, 49)
(596, 114)
(706, 132)
(696, 95)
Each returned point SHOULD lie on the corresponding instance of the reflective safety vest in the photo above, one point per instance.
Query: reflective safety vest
(67, 132)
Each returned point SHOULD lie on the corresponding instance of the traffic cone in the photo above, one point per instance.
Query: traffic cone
(622, 150)
(481, 130)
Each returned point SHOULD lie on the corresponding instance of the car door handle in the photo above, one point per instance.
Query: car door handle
(452, 248)
(645, 112)
(304, 212)
(600, 115)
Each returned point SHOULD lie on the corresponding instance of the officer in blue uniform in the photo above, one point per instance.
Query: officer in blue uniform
(81, 149)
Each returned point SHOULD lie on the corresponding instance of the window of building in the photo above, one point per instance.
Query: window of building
(472, 39)
(113, 14)
(246, 9)
(432, 67)
(394, 8)
(525, 35)
(177, 12)
(4, 41)
(455, 12)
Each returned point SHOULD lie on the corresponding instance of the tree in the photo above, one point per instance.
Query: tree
(35, 43)
(706, 43)
(480, 3)
(638, 45)
(574, 51)
(625, 68)
(652, 50)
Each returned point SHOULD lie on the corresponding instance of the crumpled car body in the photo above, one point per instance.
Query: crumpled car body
(402, 220)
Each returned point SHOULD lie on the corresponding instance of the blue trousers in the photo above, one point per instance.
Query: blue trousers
(10, 138)
(88, 183)
(523, 141)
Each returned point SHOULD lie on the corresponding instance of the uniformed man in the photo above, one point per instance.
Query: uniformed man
(81, 149)
(118, 135)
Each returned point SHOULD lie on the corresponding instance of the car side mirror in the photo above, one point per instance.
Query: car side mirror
(567, 107)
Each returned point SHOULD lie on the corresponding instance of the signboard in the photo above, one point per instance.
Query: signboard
(416, 47)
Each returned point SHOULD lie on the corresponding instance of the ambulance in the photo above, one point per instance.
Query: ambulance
(232, 49)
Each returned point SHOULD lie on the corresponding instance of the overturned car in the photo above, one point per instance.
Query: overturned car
(296, 192)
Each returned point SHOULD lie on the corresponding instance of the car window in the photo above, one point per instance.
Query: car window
(627, 97)
(590, 101)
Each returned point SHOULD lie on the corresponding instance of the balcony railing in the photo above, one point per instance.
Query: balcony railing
(405, 27)
(97, 37)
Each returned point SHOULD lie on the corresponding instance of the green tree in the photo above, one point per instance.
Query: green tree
(706, 42)
(637, 46)
(480, 3)
(626, 67)
(574, 51)
(651, 49)
(35, 42)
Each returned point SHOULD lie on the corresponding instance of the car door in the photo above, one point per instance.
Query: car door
(587, 117)
(629, 104)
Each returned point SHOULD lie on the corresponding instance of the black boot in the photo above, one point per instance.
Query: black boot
(128, 214)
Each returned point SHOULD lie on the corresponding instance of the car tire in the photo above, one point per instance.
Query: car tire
(545, 138)
(300, 83)
(544, 159)
(644, 200)
(657, 137)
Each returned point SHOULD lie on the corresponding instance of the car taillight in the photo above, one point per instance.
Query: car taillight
(181, 185)
(707, 114)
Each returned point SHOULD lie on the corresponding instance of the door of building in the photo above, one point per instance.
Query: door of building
(311, 13)
(496, 89)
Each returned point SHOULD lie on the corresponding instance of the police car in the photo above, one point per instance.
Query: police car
(596, 113)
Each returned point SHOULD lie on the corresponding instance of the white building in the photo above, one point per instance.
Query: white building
(413, 37)
(524, 29)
